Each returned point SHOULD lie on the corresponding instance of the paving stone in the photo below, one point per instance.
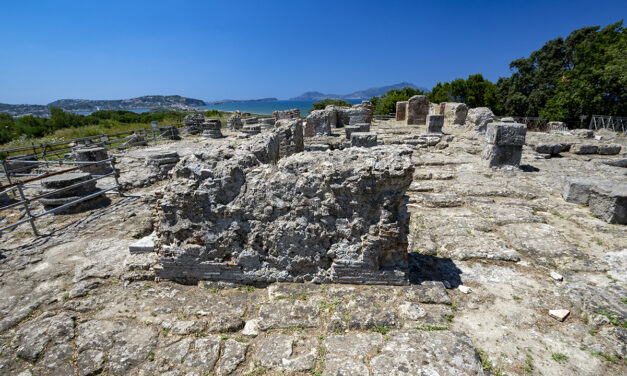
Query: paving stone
(287, 313)
(429, 292)
(90, 362)
(422, 353)
(539, 241)
(282, 352)
(204, 354)
(355, 345)
(337, 365)
(234, 354)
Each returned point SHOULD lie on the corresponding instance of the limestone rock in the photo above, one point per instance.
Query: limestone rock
(556, 126)
(434, 124)
(363, 139)
(559, 314)
(478, 118)
(229, 215)
(609, 149)
(609, 202)
(401, 110)
(417, 110)
(455, 114)
(319, 123)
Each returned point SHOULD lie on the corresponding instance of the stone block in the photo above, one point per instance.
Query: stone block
(319, 123)
(609, 149)
(143, 245)
(556, 126)
(609, 202)
(577, 189)
(478, 118)
(584, 149)
(364, 139)
(506, 134)
(507, 156)
(435, 123)
(455, 114)
(93, 154)
(245, 226)
(551, 149)
(401, 109)
(349, 129)
(417, 110)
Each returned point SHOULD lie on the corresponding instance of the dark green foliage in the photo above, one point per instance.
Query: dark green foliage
(386, 104)
(320, 105)
(584, 74)
(476, 91)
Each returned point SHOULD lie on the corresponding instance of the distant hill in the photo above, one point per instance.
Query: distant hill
(361, 94)
(88, 105)
(148, 101)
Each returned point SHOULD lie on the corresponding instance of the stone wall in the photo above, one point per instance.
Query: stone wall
(338, 216)
(287, 114)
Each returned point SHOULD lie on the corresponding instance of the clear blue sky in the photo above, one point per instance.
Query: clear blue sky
(249, 49)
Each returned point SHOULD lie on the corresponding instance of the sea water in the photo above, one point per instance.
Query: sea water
(266, 108)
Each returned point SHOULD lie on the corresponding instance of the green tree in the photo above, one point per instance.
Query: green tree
(386, 104)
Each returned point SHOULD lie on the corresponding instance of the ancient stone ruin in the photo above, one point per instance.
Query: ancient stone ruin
(193, 123)
(93, 154)
(401, 110)
(235, 121)
(212, 128)
(287, 114)
(479, 118)
(320, 122)
(434, 124)
(243, 214)
(455, 114)
(606, 199)
(504, 142)
(80, 187)
(417, 110)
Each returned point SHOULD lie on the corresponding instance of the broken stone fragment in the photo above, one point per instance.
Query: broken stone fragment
(143, 245)
(556, 276)
(559, 314)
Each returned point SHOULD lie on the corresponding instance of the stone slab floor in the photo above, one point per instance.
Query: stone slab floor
(483, 245)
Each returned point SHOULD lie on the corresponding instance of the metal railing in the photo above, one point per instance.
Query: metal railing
(614, 123)
(109, 140)
(26, 202)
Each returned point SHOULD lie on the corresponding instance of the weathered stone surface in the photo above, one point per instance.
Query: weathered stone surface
(577, 189)
(234, 354)
(355, 345)
(427, 353)
(319, 123)
(282, 352)
(401, 110)
(609, 202)
(583, 133)
(559, 314)
(434, 124)
(235, 121)
(506, 134)
(556, 126)
(609, 149)
(287, 313)
(290, 134)
(349, 129)
(584, 149)
(193, 123)
(93, 154)
(212, 128)
(539, 241)
(363, 139)
(503, 147)
(54, 199)
(310, 232)
(34, 336)
(359, 113)
(417, 110)
(287, 114)
(552, 149)
(455, 114)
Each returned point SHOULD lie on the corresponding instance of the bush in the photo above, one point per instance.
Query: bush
(320, 105)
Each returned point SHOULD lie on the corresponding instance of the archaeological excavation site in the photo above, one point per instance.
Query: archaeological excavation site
(442, 240)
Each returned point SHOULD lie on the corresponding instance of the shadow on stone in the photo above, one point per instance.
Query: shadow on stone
(432, 268)
(529, 168)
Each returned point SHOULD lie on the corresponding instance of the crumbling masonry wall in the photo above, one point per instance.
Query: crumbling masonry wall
(235, 214)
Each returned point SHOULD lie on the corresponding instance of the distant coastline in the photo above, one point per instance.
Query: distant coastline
(223, 101)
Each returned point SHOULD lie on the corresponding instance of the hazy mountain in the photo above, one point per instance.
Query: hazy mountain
(361, 94)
